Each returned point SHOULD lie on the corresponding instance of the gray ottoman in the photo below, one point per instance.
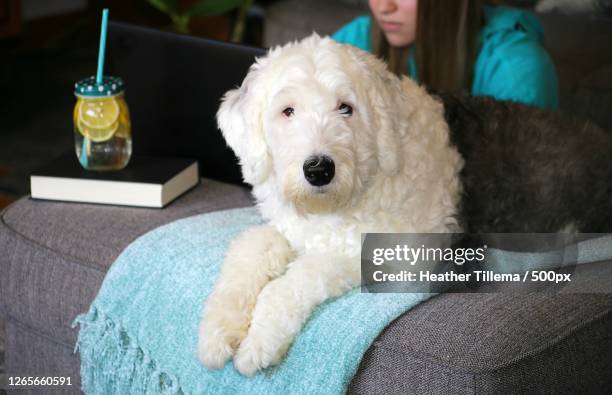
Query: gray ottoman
(54, 257)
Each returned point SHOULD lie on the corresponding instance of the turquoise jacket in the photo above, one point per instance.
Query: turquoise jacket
(511, 63)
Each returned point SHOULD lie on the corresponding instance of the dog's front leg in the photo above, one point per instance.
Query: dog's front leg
(285, 304)
(253, 259)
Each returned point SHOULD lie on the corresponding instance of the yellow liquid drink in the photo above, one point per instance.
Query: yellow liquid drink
(102, 128)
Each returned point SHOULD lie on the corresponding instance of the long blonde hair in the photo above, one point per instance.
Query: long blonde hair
(445, 45)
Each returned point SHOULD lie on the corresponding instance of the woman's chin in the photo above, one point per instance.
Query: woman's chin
(397, 39)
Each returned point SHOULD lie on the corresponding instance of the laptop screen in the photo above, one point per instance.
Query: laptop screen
(174, 84)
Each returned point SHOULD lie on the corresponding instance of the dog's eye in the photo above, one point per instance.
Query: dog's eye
(289, 112)
(345, 109)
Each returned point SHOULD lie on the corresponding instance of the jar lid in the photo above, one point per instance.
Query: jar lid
(110, 86)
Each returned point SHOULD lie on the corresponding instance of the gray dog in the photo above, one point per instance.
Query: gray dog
(528, 170)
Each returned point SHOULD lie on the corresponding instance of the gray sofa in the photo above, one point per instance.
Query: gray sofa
(55, 255)
(53, 258)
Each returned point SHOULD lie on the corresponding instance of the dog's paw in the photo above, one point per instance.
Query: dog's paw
(249, 358)
(224, 325)
(218, 340)
(257, 352)
(214, 351)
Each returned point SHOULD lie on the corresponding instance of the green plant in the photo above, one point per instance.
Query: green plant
(180, 19)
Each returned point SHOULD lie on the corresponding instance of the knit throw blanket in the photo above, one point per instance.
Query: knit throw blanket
(140, 334)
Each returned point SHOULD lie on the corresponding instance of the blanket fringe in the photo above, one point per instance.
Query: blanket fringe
(112, 362)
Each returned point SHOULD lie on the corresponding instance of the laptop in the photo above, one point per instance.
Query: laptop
(174, 84)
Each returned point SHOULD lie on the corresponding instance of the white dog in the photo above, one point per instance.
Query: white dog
(334, 145)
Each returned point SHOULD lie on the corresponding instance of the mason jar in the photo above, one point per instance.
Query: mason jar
(102, 128)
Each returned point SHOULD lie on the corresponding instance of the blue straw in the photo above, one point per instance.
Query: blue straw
(101, 52)
(84, 158)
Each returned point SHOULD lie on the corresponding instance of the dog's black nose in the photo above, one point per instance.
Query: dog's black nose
(319, 170)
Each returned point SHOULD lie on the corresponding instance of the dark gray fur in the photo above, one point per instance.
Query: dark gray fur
(528, 170)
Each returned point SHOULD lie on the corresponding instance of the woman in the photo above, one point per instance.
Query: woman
(460, 45)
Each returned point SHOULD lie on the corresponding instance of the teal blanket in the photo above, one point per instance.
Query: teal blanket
(140, 334)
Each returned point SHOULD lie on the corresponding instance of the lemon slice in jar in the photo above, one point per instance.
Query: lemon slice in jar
(98, 119)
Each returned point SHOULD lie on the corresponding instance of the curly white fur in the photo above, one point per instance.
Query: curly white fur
(395, 172)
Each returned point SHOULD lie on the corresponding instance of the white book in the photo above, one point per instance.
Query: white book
(144, 182)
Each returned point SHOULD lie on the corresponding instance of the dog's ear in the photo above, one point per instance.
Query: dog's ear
(240, 121)
(384, 99)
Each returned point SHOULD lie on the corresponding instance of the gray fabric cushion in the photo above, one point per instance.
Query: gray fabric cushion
(55, 255)
(37, 355)
(485, 343)
(3, 377)
(583, 60)
(592, 97)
